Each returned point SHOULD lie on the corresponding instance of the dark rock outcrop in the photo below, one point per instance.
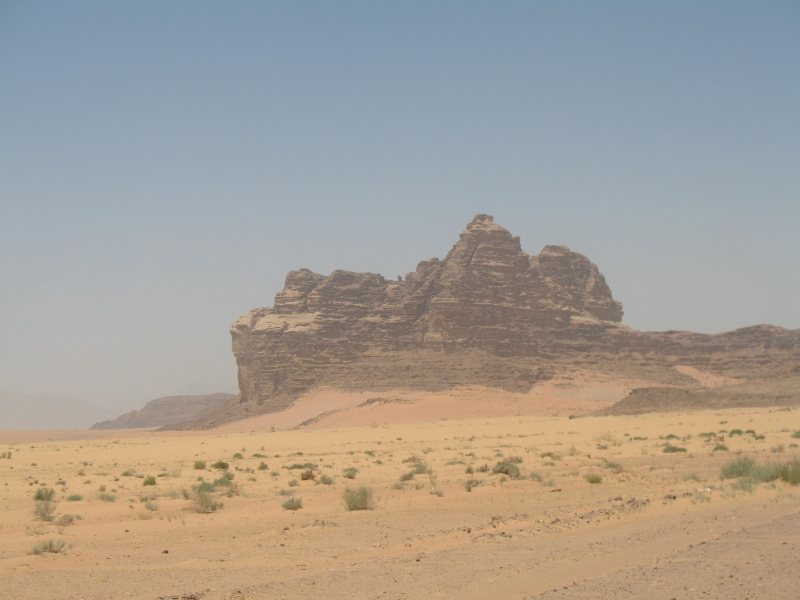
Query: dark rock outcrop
(171, 410)
(487, 314)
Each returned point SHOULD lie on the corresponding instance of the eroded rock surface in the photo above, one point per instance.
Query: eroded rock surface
(487, 314)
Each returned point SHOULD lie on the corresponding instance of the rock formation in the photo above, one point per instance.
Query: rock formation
(487, 314)
(171, 410)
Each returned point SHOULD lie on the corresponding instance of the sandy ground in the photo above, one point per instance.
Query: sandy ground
(658, 525)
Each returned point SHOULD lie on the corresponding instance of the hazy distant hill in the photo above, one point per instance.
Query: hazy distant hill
(167, 411)
(47, 411)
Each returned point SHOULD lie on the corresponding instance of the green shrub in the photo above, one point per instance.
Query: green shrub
(44, 494)
(669, 448)
(221, 465)
(292, 503)
(48, 546)
(149, 480)
(483, 469)
(788, 472)
(506, 468)
(735, 432)
(293, 483)
(358, 499)
(307, 475)
(738, 467)
(106, 497)
(720, 448)
(203, 502)
(471, 483)
(616, 467)
(238, 455)
(592, 478)
(796, 434)
(326, 480)
(407, 476)
(222, 482)
(349, 473)
(65, 520)
(263, 466)
(199, 465)
(420, 468)
(74, 498)
(258, 455)
(128, 473)
(204, 487)
(44, 510)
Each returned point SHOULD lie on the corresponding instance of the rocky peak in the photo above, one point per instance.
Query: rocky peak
(486, 294)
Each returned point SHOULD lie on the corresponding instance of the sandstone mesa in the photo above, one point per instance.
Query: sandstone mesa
(487, 314)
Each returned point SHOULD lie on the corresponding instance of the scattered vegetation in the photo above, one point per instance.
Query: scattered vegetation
(308, 475)
(553, 455)
(44, 495)
(326, 480)
(198, 464)
(204, 502)
(738, 467)
(350, 473)
(746, 467)
(592, 478)
(358, 499)
(471, 483)
(669, 448)
(720, 448)
(106, 497)
(263, 466)
(149, 480)
(44, 509)
(292, 503)
(48, 547)
(238, 455)
(221, 465)
(507, 468)
(74, 498)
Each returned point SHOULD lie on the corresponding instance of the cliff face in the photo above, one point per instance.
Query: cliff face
(487, 314)
(486, 294)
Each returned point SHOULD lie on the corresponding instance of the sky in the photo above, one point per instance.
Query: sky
(164, 165)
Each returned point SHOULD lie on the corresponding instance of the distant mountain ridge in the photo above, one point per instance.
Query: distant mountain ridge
(47, 411)
(170, 410)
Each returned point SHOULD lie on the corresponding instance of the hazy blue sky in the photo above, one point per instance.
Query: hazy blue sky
(164, 164)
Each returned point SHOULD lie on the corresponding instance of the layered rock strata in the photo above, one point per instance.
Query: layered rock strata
(487, 314)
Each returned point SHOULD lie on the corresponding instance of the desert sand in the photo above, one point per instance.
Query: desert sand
(657, 525)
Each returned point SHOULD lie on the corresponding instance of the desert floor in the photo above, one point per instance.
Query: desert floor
(657, 525)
